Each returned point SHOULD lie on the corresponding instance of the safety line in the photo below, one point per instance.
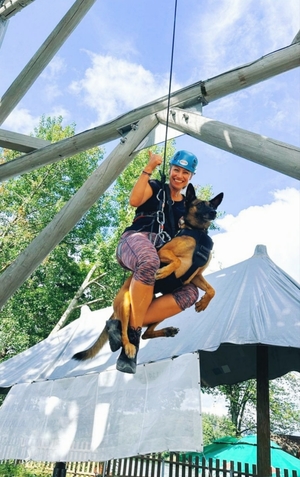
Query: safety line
(163, 175)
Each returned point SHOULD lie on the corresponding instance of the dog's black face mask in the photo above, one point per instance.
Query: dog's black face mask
(199, 211)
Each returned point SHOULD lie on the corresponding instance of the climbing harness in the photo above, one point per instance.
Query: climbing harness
(204, 246)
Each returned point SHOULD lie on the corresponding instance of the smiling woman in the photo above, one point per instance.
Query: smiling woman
(156, 220)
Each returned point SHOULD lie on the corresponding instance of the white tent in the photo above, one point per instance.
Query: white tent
(81, 411)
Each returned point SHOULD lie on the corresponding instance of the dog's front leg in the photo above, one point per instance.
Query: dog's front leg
(201, 283)
(167, 256)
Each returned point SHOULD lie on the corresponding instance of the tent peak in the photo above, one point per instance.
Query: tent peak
(260, 250)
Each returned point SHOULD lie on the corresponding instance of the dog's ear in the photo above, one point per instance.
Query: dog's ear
(216, 201)
(190, 193)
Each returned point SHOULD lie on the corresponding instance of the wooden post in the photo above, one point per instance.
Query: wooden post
(42, 57)
(268, 152)
(212, 89)
(263, 412)
(15, 275)
(11, 8)
(3, 27)
(21, 142)
(59, 469)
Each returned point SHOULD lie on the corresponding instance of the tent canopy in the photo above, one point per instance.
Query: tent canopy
(256, 302)
(84, 410)
(244, 450)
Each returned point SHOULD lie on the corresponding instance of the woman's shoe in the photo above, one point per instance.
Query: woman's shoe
(124, 363)
(114, 330)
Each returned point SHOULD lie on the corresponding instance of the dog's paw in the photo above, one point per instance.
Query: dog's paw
(130, 350)
(201, 305)
(171, 331)
(161, 273)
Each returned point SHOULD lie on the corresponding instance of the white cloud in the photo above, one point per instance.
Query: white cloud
(52, 91)
(54, 68)
(21, 121)
(113, 86)
(276, 225)
(228, 34)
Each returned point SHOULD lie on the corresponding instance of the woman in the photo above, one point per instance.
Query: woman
(137, 250)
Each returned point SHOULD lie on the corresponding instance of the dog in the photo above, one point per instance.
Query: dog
(183, 260)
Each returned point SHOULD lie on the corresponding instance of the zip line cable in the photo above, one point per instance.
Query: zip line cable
(162, 173)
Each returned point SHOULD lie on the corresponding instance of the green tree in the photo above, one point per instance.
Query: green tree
(27, 204)
(214, 427)
(284, 406)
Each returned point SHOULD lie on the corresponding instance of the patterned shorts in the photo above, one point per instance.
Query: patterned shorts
(137, 253)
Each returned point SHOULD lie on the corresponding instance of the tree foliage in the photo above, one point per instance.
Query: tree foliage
(214, 427)
(284, 409)
(27, 204)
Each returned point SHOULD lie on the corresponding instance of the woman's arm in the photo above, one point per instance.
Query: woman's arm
(142, 191)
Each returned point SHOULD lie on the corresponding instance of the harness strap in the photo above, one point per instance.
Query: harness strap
(170, 215)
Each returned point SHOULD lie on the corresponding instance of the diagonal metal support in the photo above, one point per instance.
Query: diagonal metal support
(99, 181)
(42, 57)
(265, 151)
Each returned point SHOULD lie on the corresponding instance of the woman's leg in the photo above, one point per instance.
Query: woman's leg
(161, 308)
(171, 304)
(138, 254)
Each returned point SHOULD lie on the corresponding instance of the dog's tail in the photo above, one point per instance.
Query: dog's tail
(95, 348)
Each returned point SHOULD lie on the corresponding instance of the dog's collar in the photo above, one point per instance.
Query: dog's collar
(185, 223)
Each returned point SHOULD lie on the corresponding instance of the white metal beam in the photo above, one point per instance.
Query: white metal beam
(3, 28)
(212, 89)
(11, 7)
(265, 151)
(42, 57)
(21, 142)
(24, 265)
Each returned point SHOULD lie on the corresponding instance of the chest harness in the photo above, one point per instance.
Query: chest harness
(163, 197)
(204, 246)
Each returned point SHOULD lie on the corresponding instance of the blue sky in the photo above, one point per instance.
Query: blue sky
(118, 58)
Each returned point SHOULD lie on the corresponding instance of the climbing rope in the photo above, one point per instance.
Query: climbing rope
(163, 193)
(162, 173)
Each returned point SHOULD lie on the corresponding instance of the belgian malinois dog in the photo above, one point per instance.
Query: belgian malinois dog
(183, 260)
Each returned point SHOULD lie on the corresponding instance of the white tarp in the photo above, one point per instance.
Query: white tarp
(108, 415)
(255, 302)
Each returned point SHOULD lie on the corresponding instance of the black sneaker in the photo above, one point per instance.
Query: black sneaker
(125, 364)
(114, 330)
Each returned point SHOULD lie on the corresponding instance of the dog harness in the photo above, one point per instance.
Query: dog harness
(204, 246)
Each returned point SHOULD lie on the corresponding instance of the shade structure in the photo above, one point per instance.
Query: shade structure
(100, 416)
(244, 450)
(256, 304)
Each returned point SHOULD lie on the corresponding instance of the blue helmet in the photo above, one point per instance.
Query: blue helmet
(186, 160)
